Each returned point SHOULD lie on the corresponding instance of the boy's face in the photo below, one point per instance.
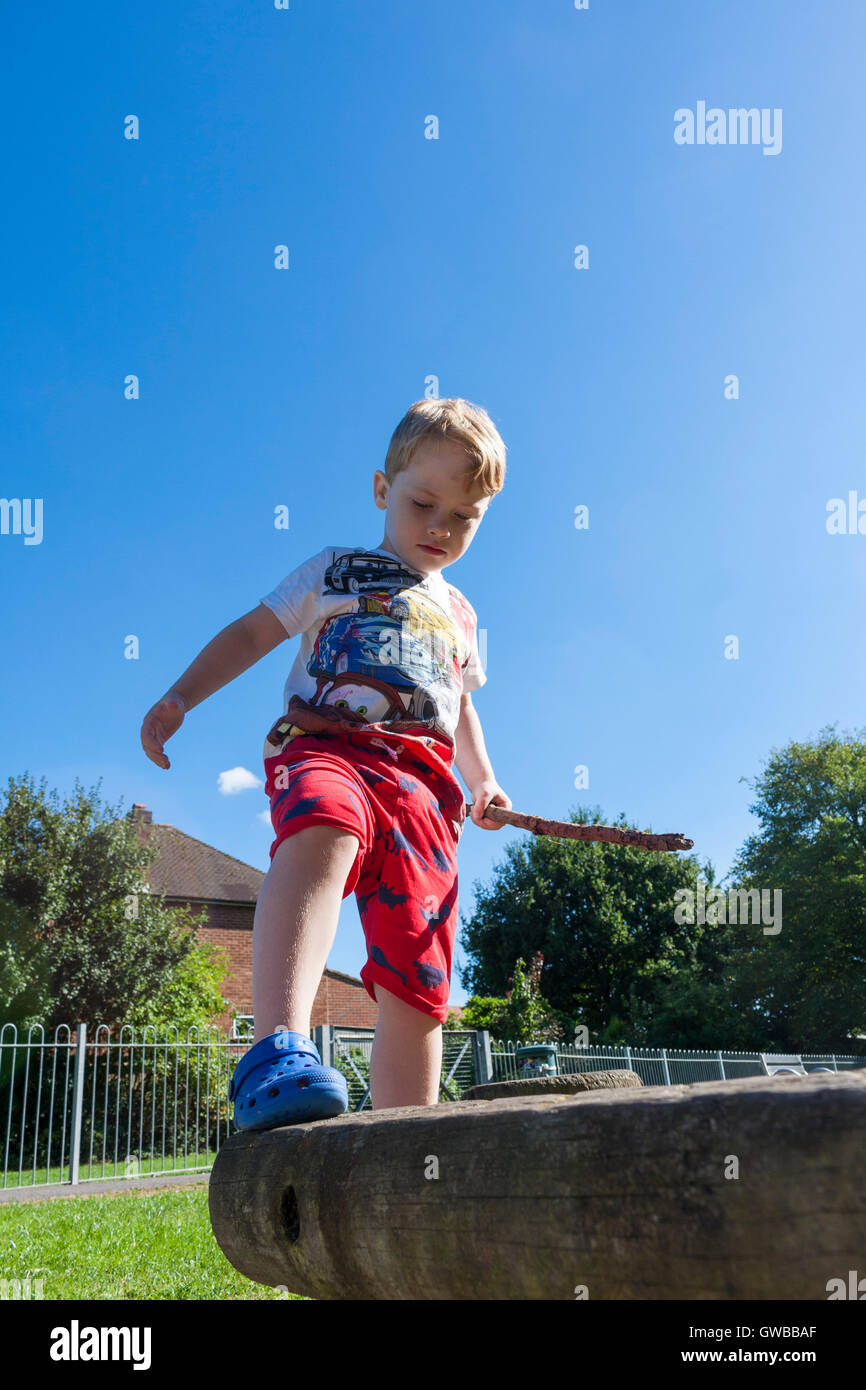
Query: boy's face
(431, 517)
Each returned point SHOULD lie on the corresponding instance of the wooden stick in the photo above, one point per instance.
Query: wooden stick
(566, 830)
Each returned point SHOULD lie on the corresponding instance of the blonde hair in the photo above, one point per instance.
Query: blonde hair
(452, 421)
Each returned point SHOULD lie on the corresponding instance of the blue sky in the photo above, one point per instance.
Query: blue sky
(452, 259)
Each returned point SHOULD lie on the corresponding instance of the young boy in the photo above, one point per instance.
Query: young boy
(358, 770)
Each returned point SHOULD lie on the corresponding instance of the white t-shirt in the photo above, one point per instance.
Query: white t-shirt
(381, 643)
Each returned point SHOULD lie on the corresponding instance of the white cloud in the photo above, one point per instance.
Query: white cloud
(265, 818)
(237, 779)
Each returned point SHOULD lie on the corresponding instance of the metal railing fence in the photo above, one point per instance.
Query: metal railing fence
(82, 1105)
(663, 1066)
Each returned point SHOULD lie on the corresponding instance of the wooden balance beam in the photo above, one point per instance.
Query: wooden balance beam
(611, 1194)
(566, 1083)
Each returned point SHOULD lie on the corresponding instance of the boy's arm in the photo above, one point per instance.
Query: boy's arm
(232, 651)
(229, 654)
(470, 755)
(474, 765)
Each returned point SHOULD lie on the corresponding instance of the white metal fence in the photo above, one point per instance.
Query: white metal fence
(83, 1105)
(666, 1066)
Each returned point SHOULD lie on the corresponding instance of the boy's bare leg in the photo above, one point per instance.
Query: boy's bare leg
(296, 919)
(406, 1062)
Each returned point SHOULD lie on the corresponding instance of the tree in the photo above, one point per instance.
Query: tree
(99, 947)
(523, 1016)
(618, 961)
(807, 983)
(25, 986)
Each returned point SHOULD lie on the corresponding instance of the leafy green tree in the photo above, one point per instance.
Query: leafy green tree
(805, 986)
(619, 962)
(24, 969)
(478, 1013)
(523, 1015)
(99, 947)
(192, 995)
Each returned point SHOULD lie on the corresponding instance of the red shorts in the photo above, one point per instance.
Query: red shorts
(400, 798)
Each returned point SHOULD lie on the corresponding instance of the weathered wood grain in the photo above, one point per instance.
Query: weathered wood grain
(621, 1192)
(569, 1084)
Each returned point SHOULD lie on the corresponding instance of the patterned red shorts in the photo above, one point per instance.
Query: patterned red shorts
(401, 800)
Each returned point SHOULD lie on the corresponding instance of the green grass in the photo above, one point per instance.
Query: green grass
(188, 1163)
(148, 1245)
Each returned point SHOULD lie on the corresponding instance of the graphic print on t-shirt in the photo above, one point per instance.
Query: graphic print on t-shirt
(394, 657)
(383, 646)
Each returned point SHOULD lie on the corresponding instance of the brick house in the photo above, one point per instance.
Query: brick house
(191, 873)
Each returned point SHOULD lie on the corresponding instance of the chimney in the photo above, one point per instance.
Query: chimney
(140, 814)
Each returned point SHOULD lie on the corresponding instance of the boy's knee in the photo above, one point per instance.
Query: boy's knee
(398, 1011)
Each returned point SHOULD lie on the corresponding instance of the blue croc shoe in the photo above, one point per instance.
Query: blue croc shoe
(281, 1081)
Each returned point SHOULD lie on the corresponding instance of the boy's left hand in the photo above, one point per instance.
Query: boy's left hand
(482, 795)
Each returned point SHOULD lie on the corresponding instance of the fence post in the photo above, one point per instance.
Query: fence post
(628, 1059)
(721, 1065)
(667, 1068)
(483, 1057)
(77, 1100)
(323, 1037)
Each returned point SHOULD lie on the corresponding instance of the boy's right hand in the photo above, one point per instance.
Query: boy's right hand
(160, 722)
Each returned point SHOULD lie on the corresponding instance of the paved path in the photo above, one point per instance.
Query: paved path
(33, 1193)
